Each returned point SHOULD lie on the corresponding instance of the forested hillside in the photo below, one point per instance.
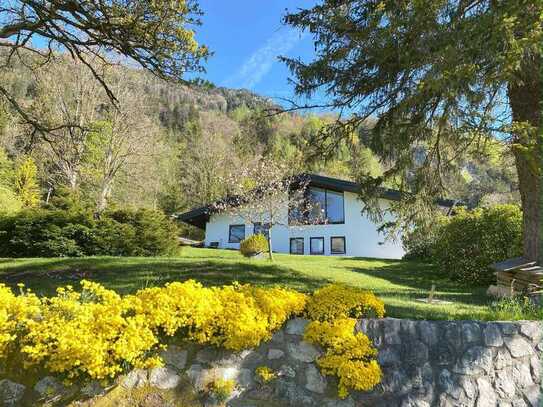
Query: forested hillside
(168, 146)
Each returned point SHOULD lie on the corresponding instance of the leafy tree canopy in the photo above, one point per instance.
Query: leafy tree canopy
(158, 35)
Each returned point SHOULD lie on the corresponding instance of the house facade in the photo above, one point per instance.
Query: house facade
(342, 228)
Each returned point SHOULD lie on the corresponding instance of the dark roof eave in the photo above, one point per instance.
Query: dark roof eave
(200, 216)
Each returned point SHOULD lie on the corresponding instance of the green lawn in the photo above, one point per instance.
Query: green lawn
(398, 283)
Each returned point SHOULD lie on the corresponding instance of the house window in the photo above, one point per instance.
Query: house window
(321, 206)
(261, 228)
(297, 245)
(236, 233)
(337, 245)
(317, 205)
(316, 245)
(334, 207)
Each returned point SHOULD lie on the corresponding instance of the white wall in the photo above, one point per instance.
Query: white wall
(361, 236)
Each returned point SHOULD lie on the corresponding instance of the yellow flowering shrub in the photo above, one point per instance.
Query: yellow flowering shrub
(15, 311)
(188, 306)
(98, 333)
(221, 389)
(264, 374)
(235, 317)
(93, 332)
(341, 301)
(348, 355)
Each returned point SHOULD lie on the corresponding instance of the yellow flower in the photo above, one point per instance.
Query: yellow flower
(348, 355)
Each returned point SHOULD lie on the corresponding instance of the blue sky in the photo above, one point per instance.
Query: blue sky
(246, 37)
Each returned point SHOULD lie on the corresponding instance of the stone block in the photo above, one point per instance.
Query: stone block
(505, 387)
(509, 328)
(275, 354)
(521, 375)
(315, 382)
(195, 374)
(428, 332)
(135, 379)
(389, 356)
(391, 332)
(492, 335)
(164, 378)
(535, 365)
(174, 357)
(49, 386)
(475, 361)
(487, 395)
(519, 346)
(502, 359)
(11, 393)
(533, 395)
(414, 352)
(471, 332)
(287, 372)
(303, 351)
(532, 329)
(296, 326)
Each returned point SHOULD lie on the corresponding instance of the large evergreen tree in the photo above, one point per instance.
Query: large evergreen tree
(442, 77)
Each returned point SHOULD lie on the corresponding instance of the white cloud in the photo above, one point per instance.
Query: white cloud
(260, 62)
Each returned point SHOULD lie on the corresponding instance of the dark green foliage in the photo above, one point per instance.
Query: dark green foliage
(419, 242)
(61, 233)
(467, 243)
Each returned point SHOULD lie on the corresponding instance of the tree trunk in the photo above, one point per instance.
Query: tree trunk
(270, 253)
(524, 100)
(105, 191)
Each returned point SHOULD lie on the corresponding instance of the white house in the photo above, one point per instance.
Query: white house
(346, 231)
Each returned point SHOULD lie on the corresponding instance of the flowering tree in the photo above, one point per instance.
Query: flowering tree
(264, 193)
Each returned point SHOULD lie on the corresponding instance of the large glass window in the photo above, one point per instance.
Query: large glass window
(337, 245)
(316, 245)
(317, 205)
(325, 206)
(297, 245)
(334, 207)
(261, 228)
(236, 233)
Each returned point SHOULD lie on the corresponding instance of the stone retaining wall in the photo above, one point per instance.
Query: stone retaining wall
(425, 363)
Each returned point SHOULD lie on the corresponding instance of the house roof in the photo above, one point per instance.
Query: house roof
(200, 216)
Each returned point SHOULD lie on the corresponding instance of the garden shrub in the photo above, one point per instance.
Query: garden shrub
(468, 242)
(69, 233)
(341, 301)
(419, 242)
(254, 244)
(97, 333)
(350, 356)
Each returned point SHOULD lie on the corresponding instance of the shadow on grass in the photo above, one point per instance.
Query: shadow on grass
(130, 274)
(419, 277)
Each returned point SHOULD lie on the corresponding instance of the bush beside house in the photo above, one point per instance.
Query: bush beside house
(464, 245)
(254, 245)
(72, 233)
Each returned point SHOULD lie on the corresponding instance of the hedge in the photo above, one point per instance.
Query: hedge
(468, 242)
(72, 233)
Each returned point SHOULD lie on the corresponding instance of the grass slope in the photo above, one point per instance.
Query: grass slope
(398, 283)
